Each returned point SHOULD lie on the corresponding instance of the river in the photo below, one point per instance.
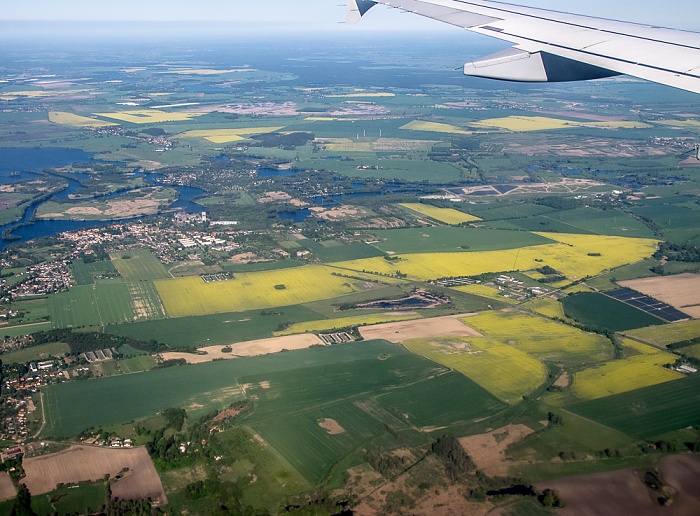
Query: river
(13, 168)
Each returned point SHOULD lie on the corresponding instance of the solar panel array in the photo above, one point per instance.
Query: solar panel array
(647, 304)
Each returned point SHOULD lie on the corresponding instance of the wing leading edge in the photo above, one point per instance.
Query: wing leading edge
(552, 46)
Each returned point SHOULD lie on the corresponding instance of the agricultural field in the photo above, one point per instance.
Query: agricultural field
(253, 291)
(434, 127)
(681, 291)
(233, 134)
(542, 337)
(41, 352)
(215, 329)
(453, 239)
(650, 411)
(503, 370)
(346, 322)
(149, 116)
(139, 269)
(526, 123)
(302, 386)
(84, 273)
(668, 333)
(576, 256)
(88, 463)
(624, 375)
(587, 221)
(106, 302)
(592, 308)
(446, 215)
(546, 306)
(73, 120)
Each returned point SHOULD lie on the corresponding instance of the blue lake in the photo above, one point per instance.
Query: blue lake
(295, 216)
(273, 172)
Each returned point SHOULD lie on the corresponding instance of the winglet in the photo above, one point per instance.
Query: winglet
(355, 9)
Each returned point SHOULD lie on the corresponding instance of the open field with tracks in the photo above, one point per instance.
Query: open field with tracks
(81, 463)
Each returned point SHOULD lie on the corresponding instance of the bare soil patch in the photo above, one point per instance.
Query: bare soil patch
(681, 291)
(87, 463)
(7, 488)
(623, 491)
(342, 212)
(243, 258)
(488, 451)
(448, 326)
(331, 426)
(251, 348)
(562, 381)
(274, 197)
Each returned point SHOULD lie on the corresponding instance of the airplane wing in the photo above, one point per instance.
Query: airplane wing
(552, 46)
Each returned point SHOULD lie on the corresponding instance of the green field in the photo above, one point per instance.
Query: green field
(82, 498)
(648, 412)
(604, 312)
(106, 302)
(332, 251)
(128, 365)
(587, 221)
(210, 330)
(365, 388)
(24, 329)
(85, 273)
(668, 333)
(139, 269)
(454, 239)
(503, 370)
(41, 352)
(138, 265)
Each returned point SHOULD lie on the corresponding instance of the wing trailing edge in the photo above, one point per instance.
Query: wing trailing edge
(552, 46)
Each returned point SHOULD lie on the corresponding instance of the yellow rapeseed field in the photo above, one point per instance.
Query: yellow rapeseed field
(446, 215)
(433, 127)
(63, 118)
(149, 116)
(542, 123)
(227, 135)
(252, 291)
(638, 347)
(542, 337)
(624, 375)
(504, 371)
(667, 333)
(526, 123)
(345, 322)
(577, 256)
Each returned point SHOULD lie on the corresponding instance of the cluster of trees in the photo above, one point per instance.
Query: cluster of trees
(457, 462)
(82, 342)
(385, 463)
(678, 252)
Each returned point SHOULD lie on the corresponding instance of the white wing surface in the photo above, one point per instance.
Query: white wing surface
(552, 46)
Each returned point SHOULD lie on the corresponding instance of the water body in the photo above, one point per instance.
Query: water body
(273, 172)
(45, 158)
(295, 216)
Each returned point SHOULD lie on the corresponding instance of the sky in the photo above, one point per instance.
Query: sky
(319, 14)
